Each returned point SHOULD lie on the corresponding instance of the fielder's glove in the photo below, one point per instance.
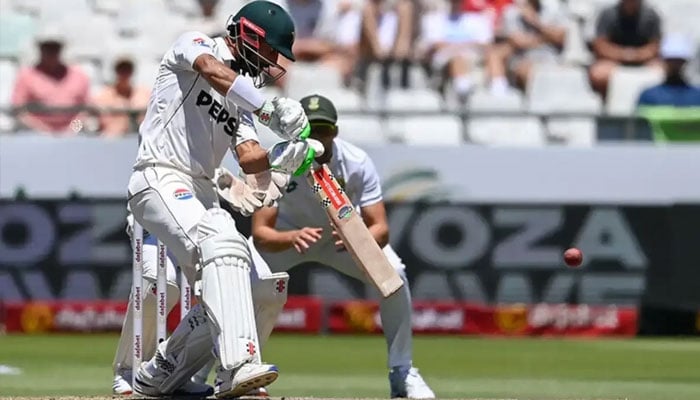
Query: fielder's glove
(237, 193)
(285, 117)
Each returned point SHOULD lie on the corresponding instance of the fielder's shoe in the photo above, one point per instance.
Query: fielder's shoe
(407, 382)
(149, 377)
(121, 385)
(247, 377)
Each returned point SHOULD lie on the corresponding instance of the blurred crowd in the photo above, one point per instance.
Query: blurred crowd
(459, 54)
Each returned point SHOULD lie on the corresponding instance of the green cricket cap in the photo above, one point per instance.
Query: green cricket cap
(319, 108)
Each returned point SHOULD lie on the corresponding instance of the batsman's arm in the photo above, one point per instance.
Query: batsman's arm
(236, 88)
(375, 219)
(194, 51)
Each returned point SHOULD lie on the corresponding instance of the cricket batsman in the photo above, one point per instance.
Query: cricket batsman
(204, 102)
(297, 230)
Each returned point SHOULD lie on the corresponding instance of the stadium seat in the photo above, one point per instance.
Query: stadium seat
(188, 8)
(146, 73)
(8, 72)
(679, 16)
(304, 77)
(575, 51)
(572, 131)
(484, 101)
(625, 86)
(79, 12)
(16, 33)
(87, 39)
(107, 7)
(361, 130)
(511, 131)
(93, 71)
(444, 130)
(413, 100)
(561, 89)
(376, 96)
(31, 7)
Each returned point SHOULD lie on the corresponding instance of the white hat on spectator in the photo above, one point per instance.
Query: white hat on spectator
(676, 46)
(50, 34)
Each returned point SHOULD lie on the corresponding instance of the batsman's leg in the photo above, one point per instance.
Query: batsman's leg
(208, 238)
(396, 314)
(122, 365)
(174, 221)
(269, 292)
(225, 292)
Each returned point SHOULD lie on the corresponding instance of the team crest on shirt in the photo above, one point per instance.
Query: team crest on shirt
(182, 194)
(201, 42)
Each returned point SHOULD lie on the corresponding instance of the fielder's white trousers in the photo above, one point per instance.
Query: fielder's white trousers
(395, 311)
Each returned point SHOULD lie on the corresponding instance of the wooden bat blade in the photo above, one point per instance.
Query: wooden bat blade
(357, 238)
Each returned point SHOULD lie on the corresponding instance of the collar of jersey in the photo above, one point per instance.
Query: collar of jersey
(222, 50)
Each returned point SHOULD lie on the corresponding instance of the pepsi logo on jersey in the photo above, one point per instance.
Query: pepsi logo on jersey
(182, 194)
(201, 42)
(218, 112)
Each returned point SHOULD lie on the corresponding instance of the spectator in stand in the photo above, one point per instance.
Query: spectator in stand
(386, 37)
(207, 22)
(628, 34)
(327, 32)
(534, 34)
(117, 102)
(494, 7)
(675, 91)
(455, 41)
(51, 83)
(673, 107)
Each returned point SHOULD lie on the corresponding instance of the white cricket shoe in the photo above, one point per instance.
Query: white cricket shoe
(239, 381)
(149, 378)
(121, 385)
(259, 392)
(406, 382)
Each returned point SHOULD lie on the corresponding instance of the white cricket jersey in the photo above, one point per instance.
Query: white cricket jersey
(189, 125)
(354, 170)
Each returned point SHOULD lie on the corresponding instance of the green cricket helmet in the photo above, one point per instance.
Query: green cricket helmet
(261, 22)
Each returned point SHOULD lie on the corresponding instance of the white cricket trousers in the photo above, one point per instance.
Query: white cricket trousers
(169, 204)
(395, 311)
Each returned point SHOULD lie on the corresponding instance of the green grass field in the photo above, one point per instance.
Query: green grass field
(350, 366)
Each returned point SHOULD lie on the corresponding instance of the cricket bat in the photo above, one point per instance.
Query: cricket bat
(352, 229)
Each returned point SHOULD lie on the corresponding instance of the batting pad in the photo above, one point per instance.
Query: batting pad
(269, 297)
(225, 289)
(186, 351)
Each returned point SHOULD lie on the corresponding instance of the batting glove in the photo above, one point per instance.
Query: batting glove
(294, 156)
(285, 117)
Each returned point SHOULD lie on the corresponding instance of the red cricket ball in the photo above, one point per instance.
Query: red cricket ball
(573, 257)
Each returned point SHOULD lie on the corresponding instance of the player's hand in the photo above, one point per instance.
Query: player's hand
(338, 241)
(285, 117)
(271, 183)
(242, 198)
(305, 237)
(294, 156)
